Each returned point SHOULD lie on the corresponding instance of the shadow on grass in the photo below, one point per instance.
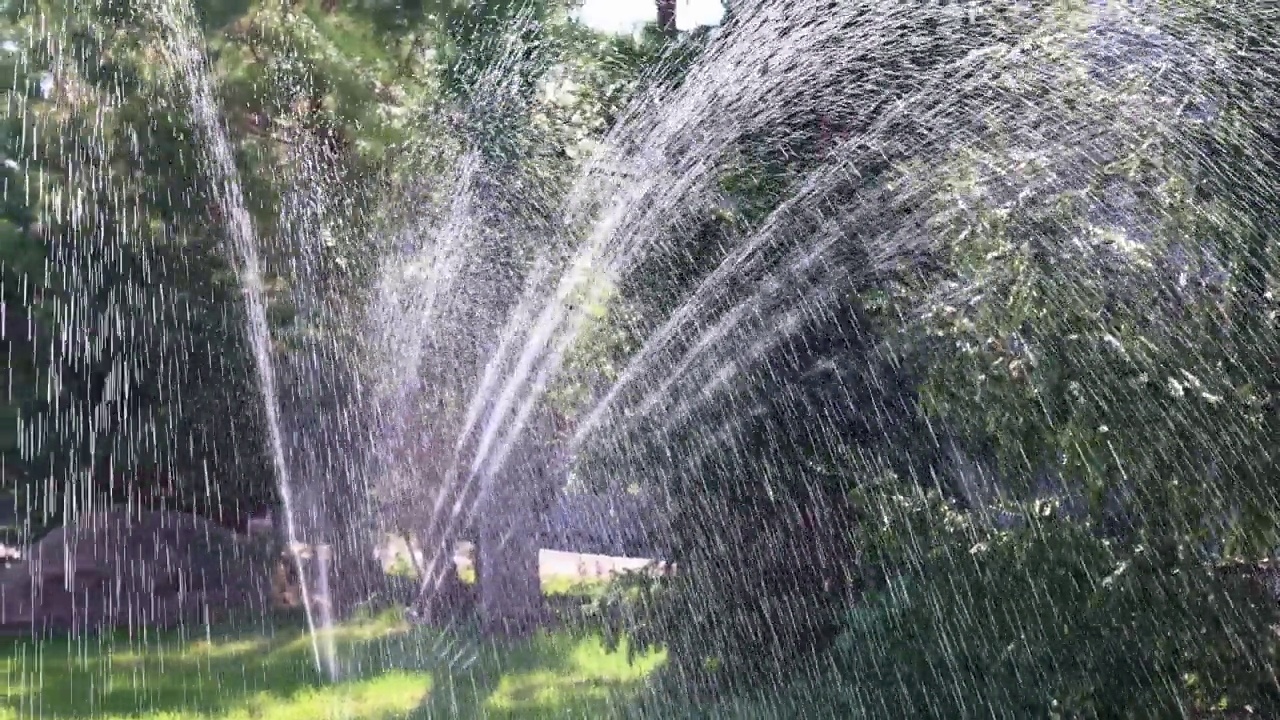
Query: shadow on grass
(266, 671)
(568, 673)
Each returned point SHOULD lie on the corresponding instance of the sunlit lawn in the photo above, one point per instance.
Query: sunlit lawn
(388, 670)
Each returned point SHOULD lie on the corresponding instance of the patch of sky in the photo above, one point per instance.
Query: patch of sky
(625, 16)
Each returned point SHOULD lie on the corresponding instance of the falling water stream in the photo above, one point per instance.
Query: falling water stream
(955, 120)
(187, 56)
(662, 158)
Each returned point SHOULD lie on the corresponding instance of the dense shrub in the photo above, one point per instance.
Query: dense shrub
(767, 609)
(1048, 620)
(1052, 621)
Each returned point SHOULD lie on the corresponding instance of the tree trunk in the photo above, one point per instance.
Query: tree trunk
(356, 576)
(667, 16)
(510, 587)
(512, 504)
(442, 597)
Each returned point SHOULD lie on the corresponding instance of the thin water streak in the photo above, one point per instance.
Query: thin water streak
(188, 58)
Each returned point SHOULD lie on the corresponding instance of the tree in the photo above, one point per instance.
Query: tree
(666, 15)
(766, 385)
(146, 294)
(442, 311)
(324, 98)
(1077, 337)
(859, 336)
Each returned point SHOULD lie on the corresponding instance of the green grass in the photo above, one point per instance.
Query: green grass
(589, 588)
(388, 670)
